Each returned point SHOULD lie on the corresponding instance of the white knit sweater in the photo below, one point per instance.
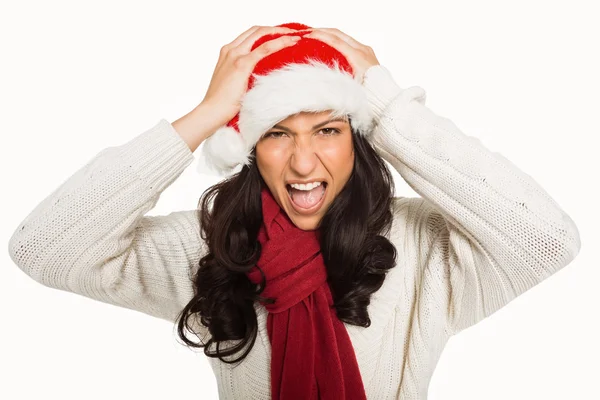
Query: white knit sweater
(482, 233)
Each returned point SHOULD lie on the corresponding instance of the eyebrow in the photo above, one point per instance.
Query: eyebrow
(343, 119)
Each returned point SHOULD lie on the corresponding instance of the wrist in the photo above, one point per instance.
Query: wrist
(197, 125)
(381, 88)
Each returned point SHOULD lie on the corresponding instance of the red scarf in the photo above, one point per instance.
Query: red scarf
(312, 356)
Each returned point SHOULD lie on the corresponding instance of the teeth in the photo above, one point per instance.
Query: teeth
(308, 186)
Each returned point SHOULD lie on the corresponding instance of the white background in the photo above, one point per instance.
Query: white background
(77, 77)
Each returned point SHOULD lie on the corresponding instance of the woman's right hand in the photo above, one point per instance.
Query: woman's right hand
(236, 62)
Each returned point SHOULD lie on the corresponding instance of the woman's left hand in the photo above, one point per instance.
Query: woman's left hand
(361, 57)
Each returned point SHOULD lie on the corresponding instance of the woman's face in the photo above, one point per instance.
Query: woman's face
(306, 147)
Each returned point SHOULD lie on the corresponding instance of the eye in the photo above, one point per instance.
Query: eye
(332, 130)
(273, 134)
(277, 134)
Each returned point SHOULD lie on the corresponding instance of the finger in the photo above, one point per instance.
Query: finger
(341, 35)
(270, 47)
(334, 41)
(246, 45)
(243, 43)
(243, 36)
(236, 42)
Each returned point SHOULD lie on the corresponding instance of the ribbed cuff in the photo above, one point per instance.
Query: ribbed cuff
(381, 88)
(158, 155)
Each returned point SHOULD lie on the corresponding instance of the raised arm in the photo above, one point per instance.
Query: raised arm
(90, 236)
(491, 231)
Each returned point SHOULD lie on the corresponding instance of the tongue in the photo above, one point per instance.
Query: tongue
(307, 198)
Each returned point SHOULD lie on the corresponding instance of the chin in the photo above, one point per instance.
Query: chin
(306, 224)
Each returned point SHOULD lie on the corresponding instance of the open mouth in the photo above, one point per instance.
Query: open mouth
(307, 201)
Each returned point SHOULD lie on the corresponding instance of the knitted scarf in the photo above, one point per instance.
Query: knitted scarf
(312, 356)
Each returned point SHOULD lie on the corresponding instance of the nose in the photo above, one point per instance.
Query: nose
(304, 159)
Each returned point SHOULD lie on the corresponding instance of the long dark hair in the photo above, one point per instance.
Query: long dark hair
(355, 250)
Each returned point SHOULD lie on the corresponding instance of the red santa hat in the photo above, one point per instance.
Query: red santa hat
(307, 76)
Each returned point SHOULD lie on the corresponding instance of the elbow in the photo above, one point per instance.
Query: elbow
(17, 250)
(551, 249)
(563, 247)
(572, 239)
(24, 250)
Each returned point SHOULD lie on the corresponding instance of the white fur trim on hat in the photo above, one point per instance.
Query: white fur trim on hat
(222, 151)
(313, 86)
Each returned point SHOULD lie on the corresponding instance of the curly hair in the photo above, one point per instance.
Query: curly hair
(356, 253)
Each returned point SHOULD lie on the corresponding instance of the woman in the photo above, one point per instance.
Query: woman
(356, 294)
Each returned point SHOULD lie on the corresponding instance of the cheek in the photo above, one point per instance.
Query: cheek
(271, 151)
(270, 161)
(339, 155)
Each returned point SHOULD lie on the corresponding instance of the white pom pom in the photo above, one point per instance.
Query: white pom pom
(222, 152)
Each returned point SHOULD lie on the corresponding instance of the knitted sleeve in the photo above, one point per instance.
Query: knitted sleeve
(90, 236)
(491, 232)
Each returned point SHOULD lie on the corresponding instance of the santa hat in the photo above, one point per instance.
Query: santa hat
(307, 76)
